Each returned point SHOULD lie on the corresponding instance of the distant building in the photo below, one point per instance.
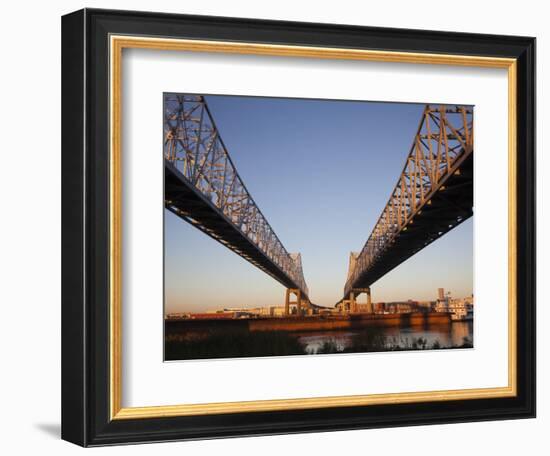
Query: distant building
(362, 307)
(401, 306)
(379, 307)
(442, 303)
(441, 294)
(426, 306)
(212, 316)
(177, 315)
(462, 308)
(279, 311)
(328, 312)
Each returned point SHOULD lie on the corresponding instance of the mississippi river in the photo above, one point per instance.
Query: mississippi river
(456, 334)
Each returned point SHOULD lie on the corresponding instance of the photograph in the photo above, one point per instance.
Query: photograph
(276, 225)
(298, 226)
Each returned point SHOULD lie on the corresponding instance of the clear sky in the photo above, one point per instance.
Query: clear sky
(321, 172)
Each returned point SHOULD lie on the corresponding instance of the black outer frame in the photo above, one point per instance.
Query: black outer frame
(85, 227)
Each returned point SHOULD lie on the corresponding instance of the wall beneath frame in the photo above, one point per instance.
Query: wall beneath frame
(30, 239)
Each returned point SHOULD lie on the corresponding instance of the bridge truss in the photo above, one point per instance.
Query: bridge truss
(433, 195)
(203, 187)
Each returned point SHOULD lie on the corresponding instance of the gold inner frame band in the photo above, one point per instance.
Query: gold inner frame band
(117, 44)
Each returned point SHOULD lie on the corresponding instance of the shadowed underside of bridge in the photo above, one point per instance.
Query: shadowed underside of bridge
(188, 204)
(433, 195)
(202, 186)
(445, 212)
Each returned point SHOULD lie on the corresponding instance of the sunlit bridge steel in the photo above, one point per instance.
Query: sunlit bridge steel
(203, 187)
(433, 195)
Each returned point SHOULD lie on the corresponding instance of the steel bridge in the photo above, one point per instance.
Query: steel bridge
(433, 195)
(203, 187)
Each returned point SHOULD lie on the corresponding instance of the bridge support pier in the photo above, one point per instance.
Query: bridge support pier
(352, 301)
(370, 309)
(298, 293)
(345, 306)
(287, 302)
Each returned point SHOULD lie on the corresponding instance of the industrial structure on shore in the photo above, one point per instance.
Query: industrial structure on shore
(459, 309)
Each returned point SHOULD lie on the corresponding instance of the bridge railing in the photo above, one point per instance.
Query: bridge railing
(444, 136)
(192, 143)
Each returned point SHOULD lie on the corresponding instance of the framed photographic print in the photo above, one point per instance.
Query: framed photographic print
(278, 227)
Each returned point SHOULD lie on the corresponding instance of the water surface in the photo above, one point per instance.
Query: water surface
(452, 335)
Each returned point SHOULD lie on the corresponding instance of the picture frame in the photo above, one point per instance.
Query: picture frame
(92, 45)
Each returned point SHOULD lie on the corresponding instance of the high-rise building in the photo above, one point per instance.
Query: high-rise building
(441, 293)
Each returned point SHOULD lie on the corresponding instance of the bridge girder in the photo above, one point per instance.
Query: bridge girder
(203, 187)
(434, 194)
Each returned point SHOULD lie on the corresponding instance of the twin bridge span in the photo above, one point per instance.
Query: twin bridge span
(434, 194)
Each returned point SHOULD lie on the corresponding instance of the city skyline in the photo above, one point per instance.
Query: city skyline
(321, 172)
(431, 303)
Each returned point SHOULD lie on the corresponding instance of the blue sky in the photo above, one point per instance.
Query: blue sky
(321, 172)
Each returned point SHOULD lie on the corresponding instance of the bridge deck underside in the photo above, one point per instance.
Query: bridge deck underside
(188, 204)
(447, 209)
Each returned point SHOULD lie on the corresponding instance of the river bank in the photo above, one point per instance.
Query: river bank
(202, 339)
(199, 328)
